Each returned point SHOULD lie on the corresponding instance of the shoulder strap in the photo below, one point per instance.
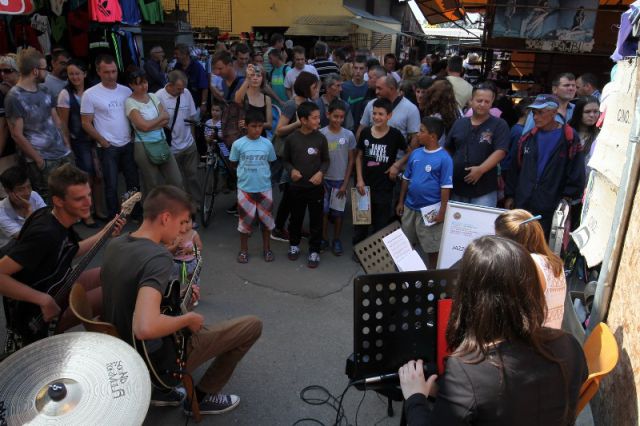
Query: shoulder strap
(232, 88)
(175, 113)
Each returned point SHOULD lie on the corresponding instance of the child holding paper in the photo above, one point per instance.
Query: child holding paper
(377, 152)
(426, 186)
(342, 146)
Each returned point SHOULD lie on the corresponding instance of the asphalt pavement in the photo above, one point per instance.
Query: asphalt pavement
(307, 334)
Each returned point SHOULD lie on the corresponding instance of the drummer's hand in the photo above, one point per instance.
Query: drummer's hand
(49, 307)
(195, 321)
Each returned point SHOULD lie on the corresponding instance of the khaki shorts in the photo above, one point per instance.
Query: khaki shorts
(417, 232)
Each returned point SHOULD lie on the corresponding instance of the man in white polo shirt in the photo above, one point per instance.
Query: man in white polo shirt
(182, 143)
(104, 119)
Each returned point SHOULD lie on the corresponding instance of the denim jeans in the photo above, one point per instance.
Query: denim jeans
(486, 200)
(115, 160)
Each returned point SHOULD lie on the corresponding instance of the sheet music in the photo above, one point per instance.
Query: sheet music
(403, 255)
(336, 203)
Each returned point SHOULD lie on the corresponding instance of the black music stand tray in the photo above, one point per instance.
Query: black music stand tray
(395, 321)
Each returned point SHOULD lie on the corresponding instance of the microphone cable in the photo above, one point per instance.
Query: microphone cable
(327, 398)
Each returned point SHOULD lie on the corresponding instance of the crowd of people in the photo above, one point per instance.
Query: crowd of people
(407, 137)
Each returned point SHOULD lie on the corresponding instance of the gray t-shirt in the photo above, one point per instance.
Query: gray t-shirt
(129, 264)
(339, 146)
(54, 84)
(405, 117)
(38, 127)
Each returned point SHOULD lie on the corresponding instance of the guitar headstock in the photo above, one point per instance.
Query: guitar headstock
(130, 199)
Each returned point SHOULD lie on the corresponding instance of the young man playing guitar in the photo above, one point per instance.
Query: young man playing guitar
(136, 273)
(43, 254)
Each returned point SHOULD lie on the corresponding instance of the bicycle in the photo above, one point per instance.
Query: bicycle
(217, 155)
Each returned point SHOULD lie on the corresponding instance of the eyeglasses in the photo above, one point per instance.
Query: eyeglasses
(6, 70)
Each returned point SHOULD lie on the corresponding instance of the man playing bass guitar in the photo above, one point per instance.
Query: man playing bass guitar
(136, 273)
(43, 255)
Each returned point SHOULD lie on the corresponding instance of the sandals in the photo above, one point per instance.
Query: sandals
(243, 257)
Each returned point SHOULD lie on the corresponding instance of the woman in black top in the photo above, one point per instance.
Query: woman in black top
(505, 368)
(251, 95)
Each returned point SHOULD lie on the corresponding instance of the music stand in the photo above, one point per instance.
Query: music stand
(373, 254)
(395, 319)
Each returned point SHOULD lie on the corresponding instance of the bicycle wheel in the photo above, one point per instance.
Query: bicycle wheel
(209, 187)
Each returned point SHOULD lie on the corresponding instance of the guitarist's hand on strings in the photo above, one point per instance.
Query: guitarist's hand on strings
(195, 294)
(49, 307)
(195, 321)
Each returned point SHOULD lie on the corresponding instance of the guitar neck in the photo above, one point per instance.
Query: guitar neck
(188, 294)
(84, 262)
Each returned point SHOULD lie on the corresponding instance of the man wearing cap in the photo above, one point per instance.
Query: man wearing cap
(547, 166)
(477, 144)
(564, 88)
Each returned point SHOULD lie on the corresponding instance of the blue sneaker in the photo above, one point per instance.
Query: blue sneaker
(336, 247)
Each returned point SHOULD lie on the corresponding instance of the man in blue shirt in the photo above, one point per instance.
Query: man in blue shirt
(546, 166)
(198, 81)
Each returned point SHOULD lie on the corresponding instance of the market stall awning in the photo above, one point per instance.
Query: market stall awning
(376, 26)
(440, 11)
(323, 26)
(455, 33)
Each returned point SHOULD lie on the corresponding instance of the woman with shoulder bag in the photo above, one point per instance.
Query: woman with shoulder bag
(151, 151)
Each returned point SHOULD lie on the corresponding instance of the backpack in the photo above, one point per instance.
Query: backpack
(284, 73)
(573, 148)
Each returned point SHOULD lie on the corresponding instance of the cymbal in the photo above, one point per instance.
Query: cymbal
(78, 378)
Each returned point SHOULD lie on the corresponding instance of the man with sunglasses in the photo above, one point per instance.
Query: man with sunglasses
(34, 124)
(56, 80)
(9, 76)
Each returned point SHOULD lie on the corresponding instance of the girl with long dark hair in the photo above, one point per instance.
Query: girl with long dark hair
(584, 119)
(505, 367)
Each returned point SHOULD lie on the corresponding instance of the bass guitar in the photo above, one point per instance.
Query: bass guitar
(25, 323)
(166, 357)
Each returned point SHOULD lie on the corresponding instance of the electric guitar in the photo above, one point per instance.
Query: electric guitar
(25, 323)
(166, 357)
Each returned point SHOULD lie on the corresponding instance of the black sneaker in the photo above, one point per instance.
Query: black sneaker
(214, 404)
(171, 398)
(233, 209)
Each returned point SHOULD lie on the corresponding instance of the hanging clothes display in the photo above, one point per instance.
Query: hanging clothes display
(57, 6)
(105, 11)
(130, 12)
(78, 28)
(24, 35)
(152, 10)
(58, 28)
(41, 23)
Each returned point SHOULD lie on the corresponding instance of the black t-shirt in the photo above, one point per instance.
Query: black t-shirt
(129, 264)
(378, 156)
(471, 146)
(307, 153)
(45, 249)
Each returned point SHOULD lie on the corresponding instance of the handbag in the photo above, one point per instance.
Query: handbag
(168, 133)
(157, 151)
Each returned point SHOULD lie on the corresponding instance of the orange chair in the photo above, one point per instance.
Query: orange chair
(601, 352)
(81, 308)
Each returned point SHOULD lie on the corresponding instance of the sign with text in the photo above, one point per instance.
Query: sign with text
(464, 223)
